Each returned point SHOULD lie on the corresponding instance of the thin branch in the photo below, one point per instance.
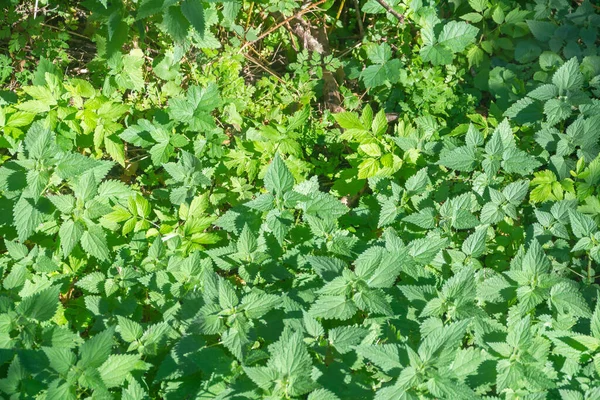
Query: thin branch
(279, 25)
(361, 29)
(69, 32)
(350, 49)
(249, 15)
(292, 37)
(389, 9)
(266, 69)
(337, 16)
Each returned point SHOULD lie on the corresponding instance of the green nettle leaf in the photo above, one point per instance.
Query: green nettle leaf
(418, 182)
(28, 213)
(399, 391)
(263, 377)
(582, 224)
(386, 357)
(290, 360)
(115, 369)
(61, 359)
(37, 181)
(373, 301)
(161, 152)
(175, 23)
(568, 299)
(40, 306)
(70, 233)
(380, 268)
(247, 243)
(424, 250)
(442, 339)
(595, 320)
(58, 391)
(568, 76)
(16, 250)
(64, 203)
(544, 92)
(325, 206)
(322, 394)
(92, 282)
(93, 241)
(134, 391)
(95, 351)
(474, 245)
(508, 374)
(40, 142)
(258, 304)
(389, 212)
(462, 158)
(278, 179)
(326, 267)
(129, 330)
(518, 162)
(147, 8)
(515, 192)
(346, 337)
(557, 110)
(194, 12)
(467, 362)
(333, 307)
(86, 187)
(519, 335)
(425, 218)
(227, 295)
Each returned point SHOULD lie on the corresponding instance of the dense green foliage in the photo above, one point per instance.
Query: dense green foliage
(284, 200)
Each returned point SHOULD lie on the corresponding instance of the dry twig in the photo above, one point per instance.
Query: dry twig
(282, 23)
(389, 9)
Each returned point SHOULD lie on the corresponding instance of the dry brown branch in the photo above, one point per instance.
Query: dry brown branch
(361, 29)
(389, 9)
(282, 23)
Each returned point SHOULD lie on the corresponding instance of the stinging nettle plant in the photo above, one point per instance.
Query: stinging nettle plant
(188, 219)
